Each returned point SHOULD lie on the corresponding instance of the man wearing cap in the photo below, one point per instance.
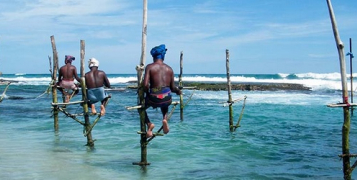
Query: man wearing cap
(95, 82)
(158, 84)
(66, 76)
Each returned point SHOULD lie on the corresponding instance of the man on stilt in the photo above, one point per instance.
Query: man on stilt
(66, 76)
(159, 83)
(95, 81)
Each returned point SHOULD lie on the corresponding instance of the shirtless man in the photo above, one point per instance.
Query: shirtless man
(95, 82)
(158, 84)
(66, 76)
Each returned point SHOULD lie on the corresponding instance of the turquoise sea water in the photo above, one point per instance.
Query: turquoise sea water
(283, 134)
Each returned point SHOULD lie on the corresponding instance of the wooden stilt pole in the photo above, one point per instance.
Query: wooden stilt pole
(54, 77)
(140, 72)
(351, 74)
(346, 114)
(181, 85)
(87, 124)
(230, 102)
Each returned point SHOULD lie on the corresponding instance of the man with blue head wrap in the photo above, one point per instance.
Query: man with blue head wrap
(158, 52)
(158, 84)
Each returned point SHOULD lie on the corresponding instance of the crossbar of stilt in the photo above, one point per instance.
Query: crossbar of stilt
(341, 105)
(154, 134)
(227, 103)
(349, 155)
(69, 103)
(143, 106)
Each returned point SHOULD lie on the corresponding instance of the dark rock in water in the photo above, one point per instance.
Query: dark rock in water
(134, 81)
(209, 86)
(246, 86)
(4, 81)
(16, 98)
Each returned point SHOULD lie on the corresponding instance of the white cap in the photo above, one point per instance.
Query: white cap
(93, 62)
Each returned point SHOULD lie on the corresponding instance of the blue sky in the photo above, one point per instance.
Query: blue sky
(275, 36)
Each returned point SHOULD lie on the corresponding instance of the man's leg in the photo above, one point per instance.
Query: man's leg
(104, 103)
(165, 124)
(102, 110)
(92, 106)
(63, 93)
(150, 126)
(66, 96)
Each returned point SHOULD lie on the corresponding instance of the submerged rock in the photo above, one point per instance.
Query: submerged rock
(208, 86)
(246, 86)
(3, 81)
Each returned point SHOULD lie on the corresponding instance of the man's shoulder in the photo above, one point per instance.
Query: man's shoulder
(101, 72)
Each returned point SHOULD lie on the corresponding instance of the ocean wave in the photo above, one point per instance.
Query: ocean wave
(324, 76)
(316, 81)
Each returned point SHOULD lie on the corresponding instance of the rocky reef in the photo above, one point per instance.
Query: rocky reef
(209, 86)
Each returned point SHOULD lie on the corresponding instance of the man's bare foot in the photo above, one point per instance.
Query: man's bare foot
(149, 131)
(93, 109)
(165, 126)
(102, 110)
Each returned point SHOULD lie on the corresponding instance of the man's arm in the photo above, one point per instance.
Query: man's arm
(146, 79)
(60, 75)
(173, 86)
(106, 80)
(76, 75)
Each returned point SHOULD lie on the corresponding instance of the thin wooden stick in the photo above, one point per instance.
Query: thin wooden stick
(168, 118)
(140, 72)
(189, 99)
(342, 105)
(180, 84)
(54, 77)
(241, 114)
(229, 103)
(351, 74)
(97, 119)
(70, 115)
(69, 103)
(50, 61)
(346, 113)
(90, 141)
(229, 92)
(144, 107)
(134, 107)
(3, 94)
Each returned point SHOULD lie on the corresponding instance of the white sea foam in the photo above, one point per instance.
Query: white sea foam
(316, 81)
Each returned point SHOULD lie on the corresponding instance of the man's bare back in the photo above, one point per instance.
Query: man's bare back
(68, 72)
(158, 74)
(96, 78)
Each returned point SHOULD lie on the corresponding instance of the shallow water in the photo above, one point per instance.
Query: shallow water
(283, 135)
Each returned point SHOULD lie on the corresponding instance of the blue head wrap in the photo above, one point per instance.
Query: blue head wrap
(158, 52)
